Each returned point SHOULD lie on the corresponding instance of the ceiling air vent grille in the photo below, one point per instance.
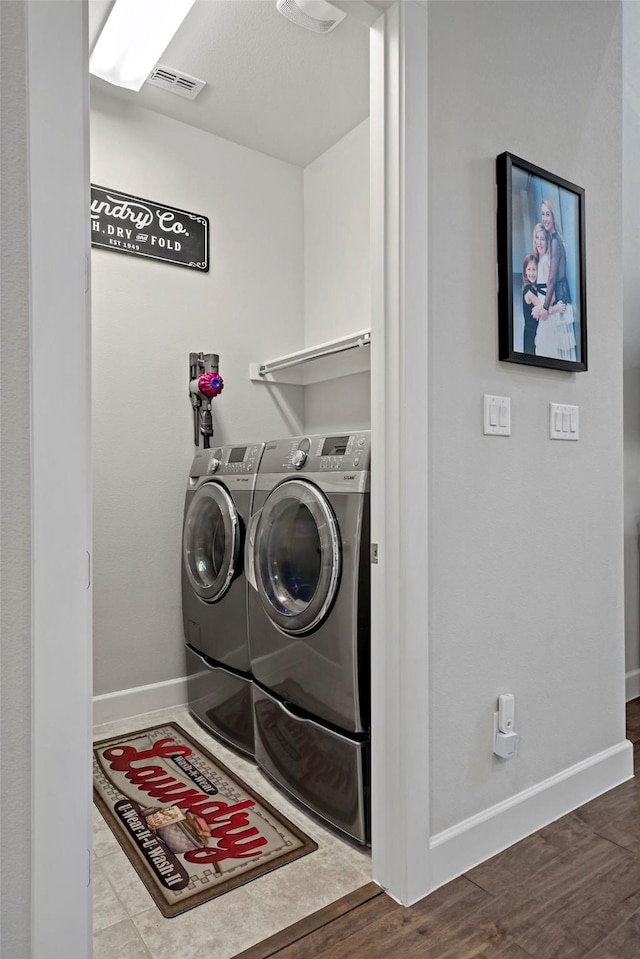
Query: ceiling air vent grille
(179, 83)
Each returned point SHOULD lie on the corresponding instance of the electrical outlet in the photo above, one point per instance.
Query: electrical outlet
(505, 745)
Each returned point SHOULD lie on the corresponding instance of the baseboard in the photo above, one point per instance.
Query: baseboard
(632, 684)
(458, 849)
(139, 699)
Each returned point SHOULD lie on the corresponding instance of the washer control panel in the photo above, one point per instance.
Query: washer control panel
(336, 454)
(312, 454)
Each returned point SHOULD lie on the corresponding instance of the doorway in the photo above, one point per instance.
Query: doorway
(392, 773)
(279, 166)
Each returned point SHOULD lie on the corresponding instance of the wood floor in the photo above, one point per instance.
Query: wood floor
(570, 891)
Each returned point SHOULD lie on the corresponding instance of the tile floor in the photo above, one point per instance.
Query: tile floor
(128, 924)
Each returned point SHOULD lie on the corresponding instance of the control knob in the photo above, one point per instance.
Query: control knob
(214, 462)
(299, 458)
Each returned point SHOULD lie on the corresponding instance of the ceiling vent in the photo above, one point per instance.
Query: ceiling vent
(174, 82)
(313, 15)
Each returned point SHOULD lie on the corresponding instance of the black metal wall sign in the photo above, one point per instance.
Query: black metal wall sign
(129, 224)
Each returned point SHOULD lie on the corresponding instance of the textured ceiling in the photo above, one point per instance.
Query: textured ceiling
(271, 85)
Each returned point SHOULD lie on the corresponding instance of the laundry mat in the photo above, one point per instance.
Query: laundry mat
(191, 828)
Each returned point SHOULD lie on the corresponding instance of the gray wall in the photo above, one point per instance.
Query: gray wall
(15, 558)
(265, 217)
(526, 552)
(337, 297)
(631, 261)
(147, 316)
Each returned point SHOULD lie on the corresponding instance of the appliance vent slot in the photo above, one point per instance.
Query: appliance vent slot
(174, 82)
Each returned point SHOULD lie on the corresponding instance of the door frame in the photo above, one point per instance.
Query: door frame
(60, 405)
(60, 342)
(399, 464)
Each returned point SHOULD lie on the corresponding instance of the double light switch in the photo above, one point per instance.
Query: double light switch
(497, 415)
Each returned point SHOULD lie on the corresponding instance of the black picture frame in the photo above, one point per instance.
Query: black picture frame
(530, 198)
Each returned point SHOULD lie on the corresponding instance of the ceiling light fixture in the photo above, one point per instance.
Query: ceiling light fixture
(134, 38)
(315, 15)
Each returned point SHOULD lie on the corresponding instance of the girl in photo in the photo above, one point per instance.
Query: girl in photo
(540, 336)
(531, 297)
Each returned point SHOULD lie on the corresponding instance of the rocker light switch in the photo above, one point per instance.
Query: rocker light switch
(563, 422)
(497, 415)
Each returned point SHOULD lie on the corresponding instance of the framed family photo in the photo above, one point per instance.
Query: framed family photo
(542, 309)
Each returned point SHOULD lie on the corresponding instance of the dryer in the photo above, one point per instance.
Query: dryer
(308, 556)
(214, 589)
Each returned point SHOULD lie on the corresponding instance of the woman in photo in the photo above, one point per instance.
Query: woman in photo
(547, 340)
(557, 291)
(541, 253)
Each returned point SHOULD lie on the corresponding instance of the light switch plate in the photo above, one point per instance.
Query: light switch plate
(564, 423)
(497, 415)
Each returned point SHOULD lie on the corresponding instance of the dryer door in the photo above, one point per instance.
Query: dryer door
(297, 556)
(211, 547)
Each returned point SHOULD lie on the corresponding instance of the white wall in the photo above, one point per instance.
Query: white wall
(15, 491)
(631, 258)
(337, 298)
(526, 551)
(147, 317)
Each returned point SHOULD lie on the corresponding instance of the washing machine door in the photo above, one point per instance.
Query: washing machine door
(211, 546)
(297, 556)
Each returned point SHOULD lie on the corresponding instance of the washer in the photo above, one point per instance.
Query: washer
(308, 556)
(214, 589)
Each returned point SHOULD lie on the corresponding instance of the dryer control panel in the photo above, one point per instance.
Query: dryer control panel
(313, 454)
(227, 460)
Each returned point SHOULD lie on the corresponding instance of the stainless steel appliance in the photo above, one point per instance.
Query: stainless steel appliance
(309, 618)
(214, 589)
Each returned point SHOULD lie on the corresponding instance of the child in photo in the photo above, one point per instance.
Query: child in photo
(531, 297)
(540, 335)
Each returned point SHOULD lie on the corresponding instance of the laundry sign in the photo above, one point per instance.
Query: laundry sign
(130, 224)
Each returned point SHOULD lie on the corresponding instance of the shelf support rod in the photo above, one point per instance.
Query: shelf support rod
(315, 352)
